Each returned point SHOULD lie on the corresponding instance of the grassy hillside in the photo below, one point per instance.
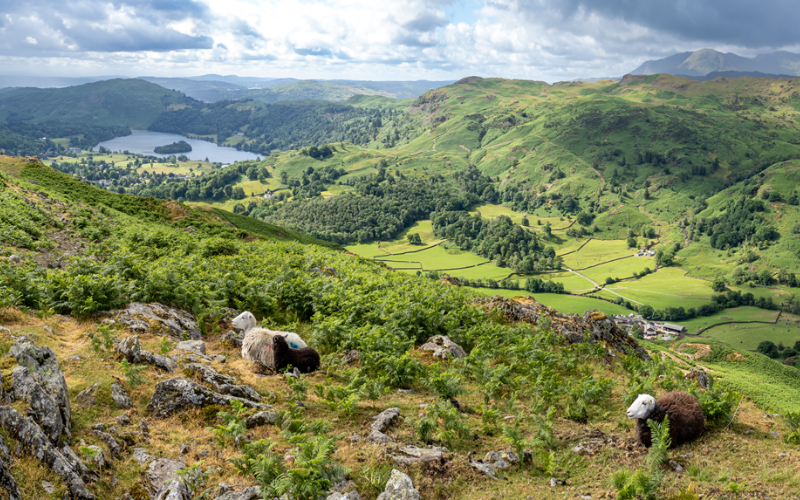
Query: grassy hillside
(130, 103)
(522, 388)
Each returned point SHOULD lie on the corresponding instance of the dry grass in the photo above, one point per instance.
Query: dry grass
(719, 457)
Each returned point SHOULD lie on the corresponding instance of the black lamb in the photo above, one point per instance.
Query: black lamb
(304, 359)
(686, 418)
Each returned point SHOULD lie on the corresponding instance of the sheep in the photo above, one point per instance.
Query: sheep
(257, 341)
(304, 359)
(686, 419)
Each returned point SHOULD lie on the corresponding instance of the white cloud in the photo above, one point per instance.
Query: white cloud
(360, 39)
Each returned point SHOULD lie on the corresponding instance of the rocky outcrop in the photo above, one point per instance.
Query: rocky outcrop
(133, 352)
(413, 455)
(30, 435)
(142, 318)
(232, 339)
(160, 471)
(261, 418)
(223, 383)
(120, 397)
(399, 487)
(38, 380)
(197, 346)
(592, 326)
(7, 481)
(251, 493)
(178, 393)
(86, 398)
(380, 423)
(443, 347)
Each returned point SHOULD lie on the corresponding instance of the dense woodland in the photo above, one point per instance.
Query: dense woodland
(35, 139)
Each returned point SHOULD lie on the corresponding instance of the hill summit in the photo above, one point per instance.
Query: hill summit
(705, 61)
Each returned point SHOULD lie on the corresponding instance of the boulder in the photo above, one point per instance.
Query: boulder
(232, 338)
(399, 487)
(141, 456)
(120, 396)
(443, 347)
(86, 398)
(113, 447)
(223, 383)
(160, 471)
(414, 455)
(38, 380)
(138, 318)
(179, 393)
(133, 352)
(261, 418)
(251, 493)
(174, 490)
(384, 419)
(484, 468)
(501, 459)
(700, 376)
(27, 432)
(95, 455)
(197, 346)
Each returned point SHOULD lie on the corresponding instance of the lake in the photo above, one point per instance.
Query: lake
(142, 142)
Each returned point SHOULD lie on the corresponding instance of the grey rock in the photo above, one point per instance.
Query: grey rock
(749, 431)
(379, 437)
(557, 482)
(351, 357)
(133, 352)
(99, 426)
(232, 338)
(484, 468)
(405, 391)
(95, 455)
(223, 383)
(124, 419)
(86, 398)
(15, 259)
(501, 459)
(351, 495)
(219, 358)
(251, 493)
(399, 487)
(775, 434)
(676, 466)
(113, 447)
(700, 376)
(160, 471)
(354, 438)
(5, 330)
(142, 456)
(179, 393)
(197, 346)
(120, 396)
(384, 419)
(38, 380)
(443, 347)
(48, 487)
(8, 483)
(87, 474)
(414, 455)
(143, 427)
(137, 316)
(184, 449)
(48, 330)
(26, 431)
(261, 418)
(174, 490)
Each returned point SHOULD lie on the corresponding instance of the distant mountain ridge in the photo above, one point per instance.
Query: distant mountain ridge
(705, 61)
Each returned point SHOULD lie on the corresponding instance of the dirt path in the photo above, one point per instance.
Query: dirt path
(464, 148)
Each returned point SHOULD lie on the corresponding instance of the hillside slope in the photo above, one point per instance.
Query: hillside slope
(702, 62)
(130, 102)
(531, 388)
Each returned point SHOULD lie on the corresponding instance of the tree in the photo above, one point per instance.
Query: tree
(414, 239)
(632, 242)
(646, 311)
(238, 208)
(720, 285)
(238, 194)
(765, 278)
(525, 222)
(768, 348)
(284, 177)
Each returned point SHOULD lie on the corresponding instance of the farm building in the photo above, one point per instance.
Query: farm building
(673, 328)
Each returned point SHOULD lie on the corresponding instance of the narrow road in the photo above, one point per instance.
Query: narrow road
(598, 287)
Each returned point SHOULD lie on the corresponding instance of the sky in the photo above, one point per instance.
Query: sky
(548, 40)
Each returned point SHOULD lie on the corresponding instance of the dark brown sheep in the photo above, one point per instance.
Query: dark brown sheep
(686, 419)
(304, 359)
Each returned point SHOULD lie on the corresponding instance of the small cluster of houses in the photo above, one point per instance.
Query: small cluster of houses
(645, 253)
(268, 194)
(652, 330)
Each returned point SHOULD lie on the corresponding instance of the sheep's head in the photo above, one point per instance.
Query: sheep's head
(642, 407)
(244, 321)
(279, 343)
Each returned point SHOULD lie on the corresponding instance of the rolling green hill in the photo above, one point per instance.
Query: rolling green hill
(131, 103)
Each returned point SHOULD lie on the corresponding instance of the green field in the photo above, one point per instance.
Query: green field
(436, 259)
(736, 314)
(597, 251)
(621, 269)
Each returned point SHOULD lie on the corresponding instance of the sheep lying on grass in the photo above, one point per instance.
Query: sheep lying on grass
(686, 419)
(304, 359)
(257, 342)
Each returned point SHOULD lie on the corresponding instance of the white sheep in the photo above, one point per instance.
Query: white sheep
(257, 341)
